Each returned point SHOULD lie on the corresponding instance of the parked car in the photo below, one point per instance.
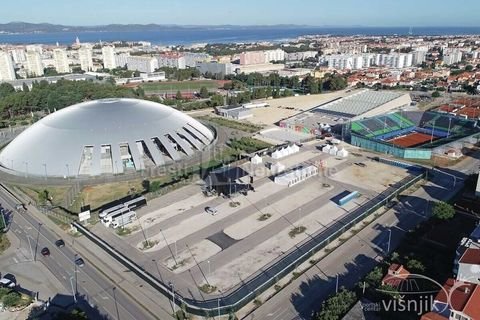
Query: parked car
(361, 164)
(60, 243)
(212, 210)
(8, 281)
(45, 251)
(79, 262)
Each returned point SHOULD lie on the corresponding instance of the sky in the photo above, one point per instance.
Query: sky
(246, 12)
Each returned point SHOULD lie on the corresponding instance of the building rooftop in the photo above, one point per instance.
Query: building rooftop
(455, 294)
(358, 103)
(471, 256)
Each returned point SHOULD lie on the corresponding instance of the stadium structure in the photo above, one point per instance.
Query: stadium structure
(365, 103)
(410, 135)
(108, 136)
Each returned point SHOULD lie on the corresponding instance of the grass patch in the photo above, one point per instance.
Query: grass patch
(206, 288)
(257, 302)
(123, 231)
(237, 125)
(98, 195)
(148, 244)
(248, 144)
(56, 195)
(234, 204)
(264, 217)
(4, 242)
(295, 275)
(277, 287)
(174, 86)
(61, 223)
(297, 230)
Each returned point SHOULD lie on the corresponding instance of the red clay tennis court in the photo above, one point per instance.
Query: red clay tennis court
(411, 139)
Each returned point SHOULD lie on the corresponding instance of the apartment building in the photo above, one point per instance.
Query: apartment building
(108, 56)
(60, 59)
(7, 71)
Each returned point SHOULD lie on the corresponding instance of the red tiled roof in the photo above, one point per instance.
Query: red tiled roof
(460, 295)
(433, 316)
(472, 308)
(471, 256)
(395, 275)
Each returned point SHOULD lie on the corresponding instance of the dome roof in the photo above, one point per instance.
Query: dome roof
(105, 136)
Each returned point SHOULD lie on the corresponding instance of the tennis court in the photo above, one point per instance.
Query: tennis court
(412, 139)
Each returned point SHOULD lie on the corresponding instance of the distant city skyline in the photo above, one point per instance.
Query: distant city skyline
(383, 13)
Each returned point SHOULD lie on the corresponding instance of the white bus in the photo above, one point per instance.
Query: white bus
(119, 218)
(131, 204)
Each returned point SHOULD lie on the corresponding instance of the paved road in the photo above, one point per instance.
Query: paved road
(90, 285)
(358, 255)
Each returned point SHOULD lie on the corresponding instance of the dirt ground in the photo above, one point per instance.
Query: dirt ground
(375, 176)
(98, 195)
(278, 107)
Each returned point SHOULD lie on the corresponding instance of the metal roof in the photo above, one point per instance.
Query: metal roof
(105, 136)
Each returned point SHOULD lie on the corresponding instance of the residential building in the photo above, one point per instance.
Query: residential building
(418, 57)
(191, 58)
(394, 60)
(215, 68)
(452, 56)
(60, 59)
(18, 55)
(85, 57)
(396, 274)
(469, 266)
(108, 55)
(274, 55)
(7, 71)
(456, 301)
(300, 56)
(34, 63)
(172, 60)
(252, 57)
(121, 60)
(142, 64)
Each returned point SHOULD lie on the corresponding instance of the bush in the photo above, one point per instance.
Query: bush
(443, 211)
(11, 299)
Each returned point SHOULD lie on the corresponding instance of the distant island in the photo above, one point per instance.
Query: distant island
(25, 27)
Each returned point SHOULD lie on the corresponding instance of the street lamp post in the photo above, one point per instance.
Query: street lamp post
(389, 238)
(209, 272)
(173, 297)
(73, 291)
(45, 167)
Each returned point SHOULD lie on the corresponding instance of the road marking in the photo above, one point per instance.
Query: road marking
(15, 259)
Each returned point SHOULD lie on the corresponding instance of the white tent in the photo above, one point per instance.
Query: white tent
(327, 148)
(276, 154)
(333, 151)
(290, 150)
(284, 152)
(342, 153)
(256, 159)
(295, 148)
(277, 167)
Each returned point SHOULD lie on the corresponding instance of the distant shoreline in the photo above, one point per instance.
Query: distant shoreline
(188, 36)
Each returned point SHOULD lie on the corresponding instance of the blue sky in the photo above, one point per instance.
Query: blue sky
(247, 12)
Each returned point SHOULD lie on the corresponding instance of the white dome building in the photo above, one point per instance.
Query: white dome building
(108, 136)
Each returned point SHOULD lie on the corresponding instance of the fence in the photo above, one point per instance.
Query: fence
(279, 268)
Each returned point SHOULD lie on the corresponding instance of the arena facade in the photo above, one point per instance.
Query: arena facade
(105, 137)
(410, 135)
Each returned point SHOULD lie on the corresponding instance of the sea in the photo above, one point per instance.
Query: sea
(227, 35)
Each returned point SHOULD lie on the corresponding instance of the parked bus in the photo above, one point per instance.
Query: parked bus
(119, 218)
(131, 204)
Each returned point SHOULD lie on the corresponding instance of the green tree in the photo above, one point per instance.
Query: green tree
(178, 96)
(374, 277)
(469, 68)
(216, 100)
(203, 92)
(443, 211)
(415, 266)
(435, 94)
(337, 306)
(146, 185)
(6, 89)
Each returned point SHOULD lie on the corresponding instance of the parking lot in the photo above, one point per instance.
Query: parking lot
(193, 247)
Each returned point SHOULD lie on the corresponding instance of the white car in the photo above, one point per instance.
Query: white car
(7, 283)
(212, 210)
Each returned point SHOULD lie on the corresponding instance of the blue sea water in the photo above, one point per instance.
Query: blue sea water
(205, 35)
